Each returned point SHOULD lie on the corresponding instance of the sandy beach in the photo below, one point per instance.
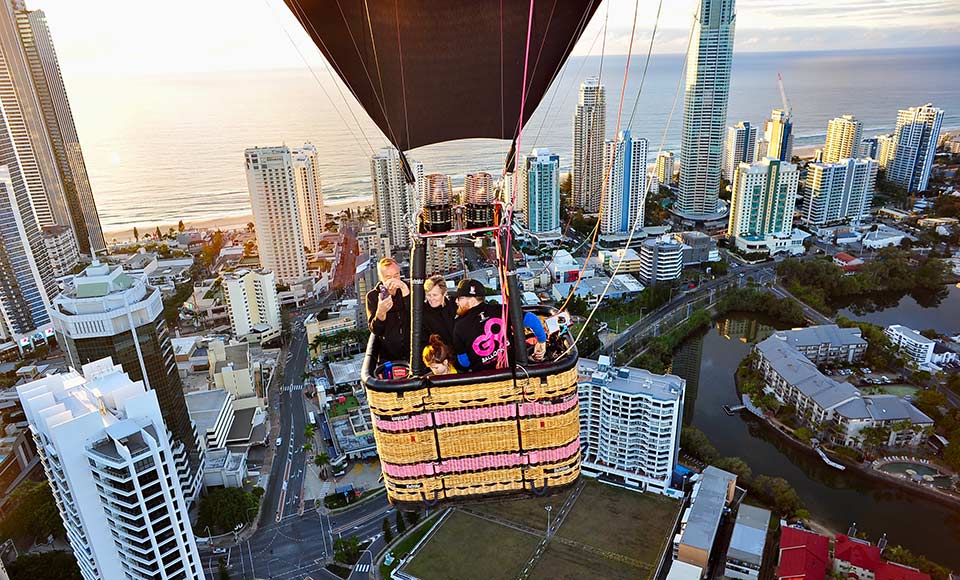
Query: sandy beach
(223, 223)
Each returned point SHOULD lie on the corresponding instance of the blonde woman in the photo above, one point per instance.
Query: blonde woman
(439, 311)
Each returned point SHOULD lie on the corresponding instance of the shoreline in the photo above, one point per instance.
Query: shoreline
(125, 234)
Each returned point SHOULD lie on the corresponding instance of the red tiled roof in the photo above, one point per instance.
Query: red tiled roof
(844, 257)
(860, 554)
(892, 571)
(803, 554)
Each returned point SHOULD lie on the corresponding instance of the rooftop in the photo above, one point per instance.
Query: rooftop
(910, 333)
(348, 371)
(860, 553)
(797, 370)
(707, 508)
(803, 554)
(749, 534)
(629, 380)
(823, 334)
(894, 571)
(205, 407)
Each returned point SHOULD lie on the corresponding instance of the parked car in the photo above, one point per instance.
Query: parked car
(279, 441)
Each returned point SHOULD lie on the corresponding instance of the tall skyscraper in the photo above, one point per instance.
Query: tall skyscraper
(741, 147)
(705, 107)
(396, 201)
(25, 120)
(251, 297)
(57, 116)
(276, 214)
(626, 188)
(306, 174)
(541, 175)
(918, 129)
(778, 133)
(26, 278)
(664, 167)
(764, 199)
(589, 130)
(838, 192)
(844, 135)
(107, 455)
(105, 312)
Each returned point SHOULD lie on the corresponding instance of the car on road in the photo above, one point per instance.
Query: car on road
(279, 441)
(219, 550)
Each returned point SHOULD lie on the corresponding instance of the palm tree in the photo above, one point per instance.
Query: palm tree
(308, 447)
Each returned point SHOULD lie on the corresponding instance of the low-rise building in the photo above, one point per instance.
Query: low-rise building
(625, 261)
(855, 559)
(847, 262)
(62, 250)
(712, 492)
(232, 370)
(916, 347)
(699, 248)
(629, 424)
(329, 327)
(212, 413)
(745, 554)
(590, 289)
(884, 236)
(683, 571)
(826, 343)
(661, 259)
(804, 555)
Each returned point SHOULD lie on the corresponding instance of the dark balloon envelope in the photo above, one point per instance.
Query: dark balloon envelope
(428, 71)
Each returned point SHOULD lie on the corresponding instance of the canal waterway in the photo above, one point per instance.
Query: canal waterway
(920, 310)
(837, 499)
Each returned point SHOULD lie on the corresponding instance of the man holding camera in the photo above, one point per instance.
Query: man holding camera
(388, 314)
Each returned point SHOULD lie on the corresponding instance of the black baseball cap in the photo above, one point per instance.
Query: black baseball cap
(471, 288)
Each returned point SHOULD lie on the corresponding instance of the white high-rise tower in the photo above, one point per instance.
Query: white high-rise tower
(106, 452)
(843, 139)
(397, 202)
(705, 108)
(626, 190)
(741, 147)
(276, 214)
(915, 141)
(306, 173)
(589, 125)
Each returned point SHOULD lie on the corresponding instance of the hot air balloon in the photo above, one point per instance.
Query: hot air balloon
(429, 71)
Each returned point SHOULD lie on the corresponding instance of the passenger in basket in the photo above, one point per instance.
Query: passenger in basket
(478, 332)
(388, 314)
(439, 356)
(440, 312)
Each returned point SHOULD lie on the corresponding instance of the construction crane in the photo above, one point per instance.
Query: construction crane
(783, 96)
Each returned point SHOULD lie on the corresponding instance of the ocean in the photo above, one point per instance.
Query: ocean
(161, 149)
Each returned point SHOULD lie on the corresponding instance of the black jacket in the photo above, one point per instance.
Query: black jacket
(440, 321)
(477, 337)
(393, 334)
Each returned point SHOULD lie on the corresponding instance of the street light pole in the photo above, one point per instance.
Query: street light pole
(548, 508)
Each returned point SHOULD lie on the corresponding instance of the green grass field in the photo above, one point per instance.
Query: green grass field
(467, 547)
(526, 512)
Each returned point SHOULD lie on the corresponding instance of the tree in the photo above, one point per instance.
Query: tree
(180, 226)
(401, 525)
(308, 431)
(136, 234)
(412, 518)
(387, 532)
(736, 466)
(346, 550)
(31, 511)
(321, 459)
(308, 447)
(157, 234)
(695, 443)
(224, 509)
(777, 492)
(250, 227)
(48, 565)
(929, 401)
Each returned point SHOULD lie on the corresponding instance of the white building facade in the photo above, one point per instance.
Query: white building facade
(107, 455)
(276, 213)
(623, 202)
(916, 347)
(705, 107)
(661, 259)
(629, 424)
(589, 134)
(251, 297)
(762, 206)
(838, 192)
(62, 249)
(541, 176)
(306, 175)
(397, 202)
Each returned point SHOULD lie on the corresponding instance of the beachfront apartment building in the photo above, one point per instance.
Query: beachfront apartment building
(740, 147)
(109, 459)
(276, 214)
(625, 163)
(788, 360)
(706, 92)
(306, 176)
(62, 249)
(396, 201)
(917, 348)
(778, 134)
(844, 135)
(664, 167)
(540, 173)
(915, 142)
(589, 134)
(762, 206)
(629, 424)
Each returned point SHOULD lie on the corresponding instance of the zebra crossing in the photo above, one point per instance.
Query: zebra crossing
(291, 388)
(362, 568)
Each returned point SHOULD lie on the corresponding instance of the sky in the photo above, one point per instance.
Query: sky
(124, 37)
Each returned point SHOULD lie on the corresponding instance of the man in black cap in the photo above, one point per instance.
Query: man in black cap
(478, 330)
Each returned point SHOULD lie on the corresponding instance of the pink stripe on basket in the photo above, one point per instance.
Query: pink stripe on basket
(537, 409)
(416, 422)
(500, 461)
(493, 413)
